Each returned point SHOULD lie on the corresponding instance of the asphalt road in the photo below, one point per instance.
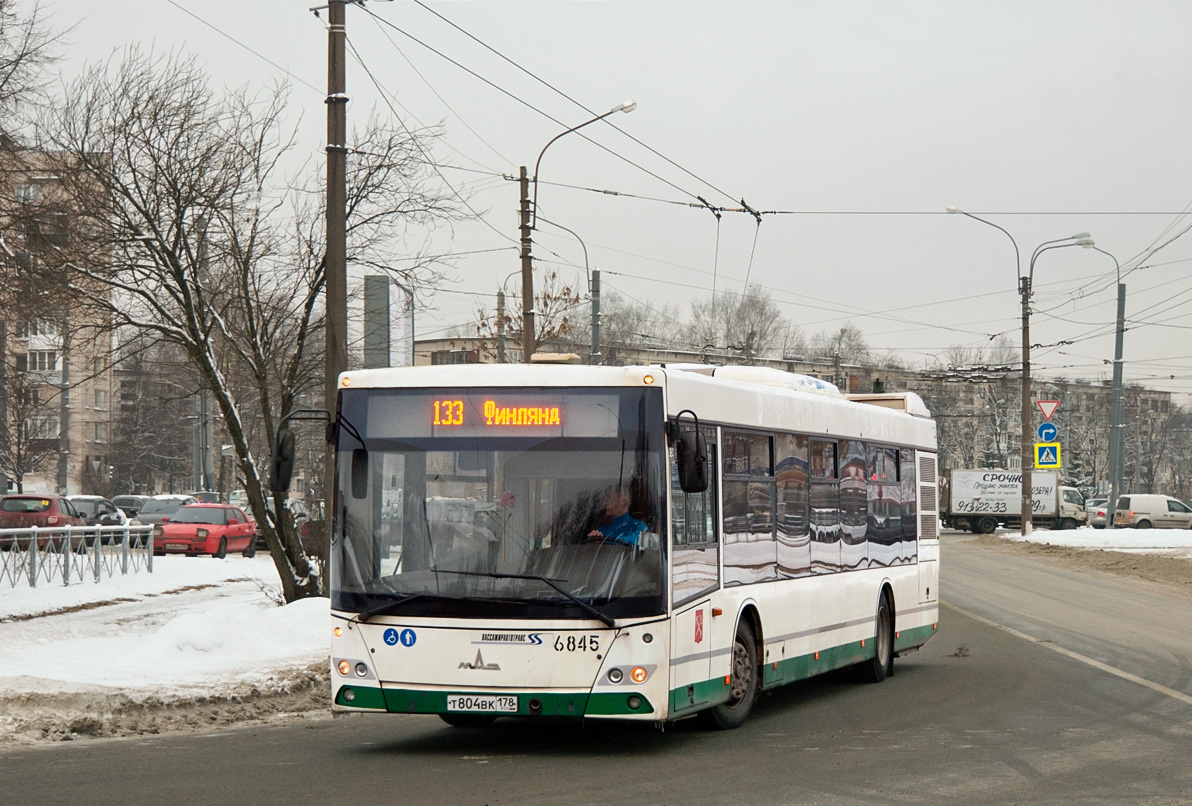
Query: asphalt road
(1043, 685)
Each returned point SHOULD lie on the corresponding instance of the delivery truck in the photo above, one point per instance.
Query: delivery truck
(982, 500)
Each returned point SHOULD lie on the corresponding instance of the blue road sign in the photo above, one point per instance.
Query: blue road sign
(1047, 455)
(1048, 432)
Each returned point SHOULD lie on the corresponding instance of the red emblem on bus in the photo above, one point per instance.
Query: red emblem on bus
(699, 626)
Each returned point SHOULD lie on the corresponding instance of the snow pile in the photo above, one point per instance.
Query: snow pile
(199, 642)
(1168, 542)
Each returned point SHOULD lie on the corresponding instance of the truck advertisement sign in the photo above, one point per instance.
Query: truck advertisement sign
(1000, 492)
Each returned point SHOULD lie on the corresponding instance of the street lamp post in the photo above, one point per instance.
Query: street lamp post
(1115, 416)
(593, 276)
(529, 219)
(1024, 289)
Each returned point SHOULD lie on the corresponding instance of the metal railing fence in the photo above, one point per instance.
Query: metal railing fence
(73, 554)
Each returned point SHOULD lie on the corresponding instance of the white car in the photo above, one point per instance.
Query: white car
(1152, 511)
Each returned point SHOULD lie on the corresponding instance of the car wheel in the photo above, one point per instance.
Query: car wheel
(250, 550)
(1143, 525)
(222, 551)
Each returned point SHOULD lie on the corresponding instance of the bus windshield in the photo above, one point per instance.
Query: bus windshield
(527, 503)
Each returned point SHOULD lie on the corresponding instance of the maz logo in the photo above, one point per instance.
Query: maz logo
(479, 663)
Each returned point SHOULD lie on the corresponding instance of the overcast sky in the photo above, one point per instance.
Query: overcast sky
(856, 123)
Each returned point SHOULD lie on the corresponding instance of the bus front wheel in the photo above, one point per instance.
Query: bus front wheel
(881, 665)
(733, 713)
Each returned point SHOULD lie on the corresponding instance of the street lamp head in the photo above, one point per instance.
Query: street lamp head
(1079, 235)
(1087, 243)
(625, 106)
(952, 209)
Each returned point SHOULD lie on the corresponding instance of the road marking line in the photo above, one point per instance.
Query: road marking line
(1096, 664)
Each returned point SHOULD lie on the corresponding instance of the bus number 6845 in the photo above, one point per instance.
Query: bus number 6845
(584, 643)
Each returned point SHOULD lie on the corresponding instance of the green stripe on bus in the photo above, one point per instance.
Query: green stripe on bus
(362, 697)
(412, 701)
(707, 693)
(916, 636)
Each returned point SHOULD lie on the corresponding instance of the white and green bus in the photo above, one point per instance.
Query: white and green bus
(644, 543)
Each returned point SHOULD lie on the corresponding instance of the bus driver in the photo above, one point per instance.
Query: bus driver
(617, 525)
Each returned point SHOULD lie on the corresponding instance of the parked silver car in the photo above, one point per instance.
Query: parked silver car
(1098, 512)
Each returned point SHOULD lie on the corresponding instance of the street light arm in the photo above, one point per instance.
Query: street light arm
(1117, 266)
(587, 270)
(627, 106)
(1077, 237)
(1086, 242)
(1017, 257)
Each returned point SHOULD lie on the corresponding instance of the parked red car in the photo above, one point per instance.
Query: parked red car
(20, 511)
(213, 529)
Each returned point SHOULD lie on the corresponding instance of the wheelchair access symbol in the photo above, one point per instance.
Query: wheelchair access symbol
(406, 637)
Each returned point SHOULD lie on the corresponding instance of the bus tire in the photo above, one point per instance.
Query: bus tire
(881, 665)
(734, 712)
(468, 720)
(986, 526)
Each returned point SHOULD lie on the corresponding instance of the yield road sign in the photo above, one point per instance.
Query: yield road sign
(1047, 455)
(1048, 432)
(1048, 408)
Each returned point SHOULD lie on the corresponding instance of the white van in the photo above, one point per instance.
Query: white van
(1145, 511)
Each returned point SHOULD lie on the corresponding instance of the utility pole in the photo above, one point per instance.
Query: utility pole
(527, 270)
(337, 247)
(596, 358)
(501, 327)
(1028, 458)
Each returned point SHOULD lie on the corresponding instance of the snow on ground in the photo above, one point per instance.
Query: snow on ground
(196, 635)
(1168, 542)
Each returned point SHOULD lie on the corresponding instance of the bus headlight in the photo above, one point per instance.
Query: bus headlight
(615, 676)
(361, 669)
(638, 675)
(345, 667)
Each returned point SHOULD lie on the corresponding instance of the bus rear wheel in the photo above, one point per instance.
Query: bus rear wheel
(743, 691)
(881, 665)
(468, 720)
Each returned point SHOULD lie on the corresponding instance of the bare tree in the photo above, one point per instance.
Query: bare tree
(748, 324)
(27, 46)
(191, 231)
(846, 345)
(627, 326)
(559, 318)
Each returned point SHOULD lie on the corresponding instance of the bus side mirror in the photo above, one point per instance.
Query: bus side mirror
(283, 461)
(691, 454)
(359, 473)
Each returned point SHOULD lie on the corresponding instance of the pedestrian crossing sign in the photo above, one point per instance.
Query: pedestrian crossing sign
(1047, 455)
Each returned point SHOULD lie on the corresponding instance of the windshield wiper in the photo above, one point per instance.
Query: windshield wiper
(607, 620)
(388, 607)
